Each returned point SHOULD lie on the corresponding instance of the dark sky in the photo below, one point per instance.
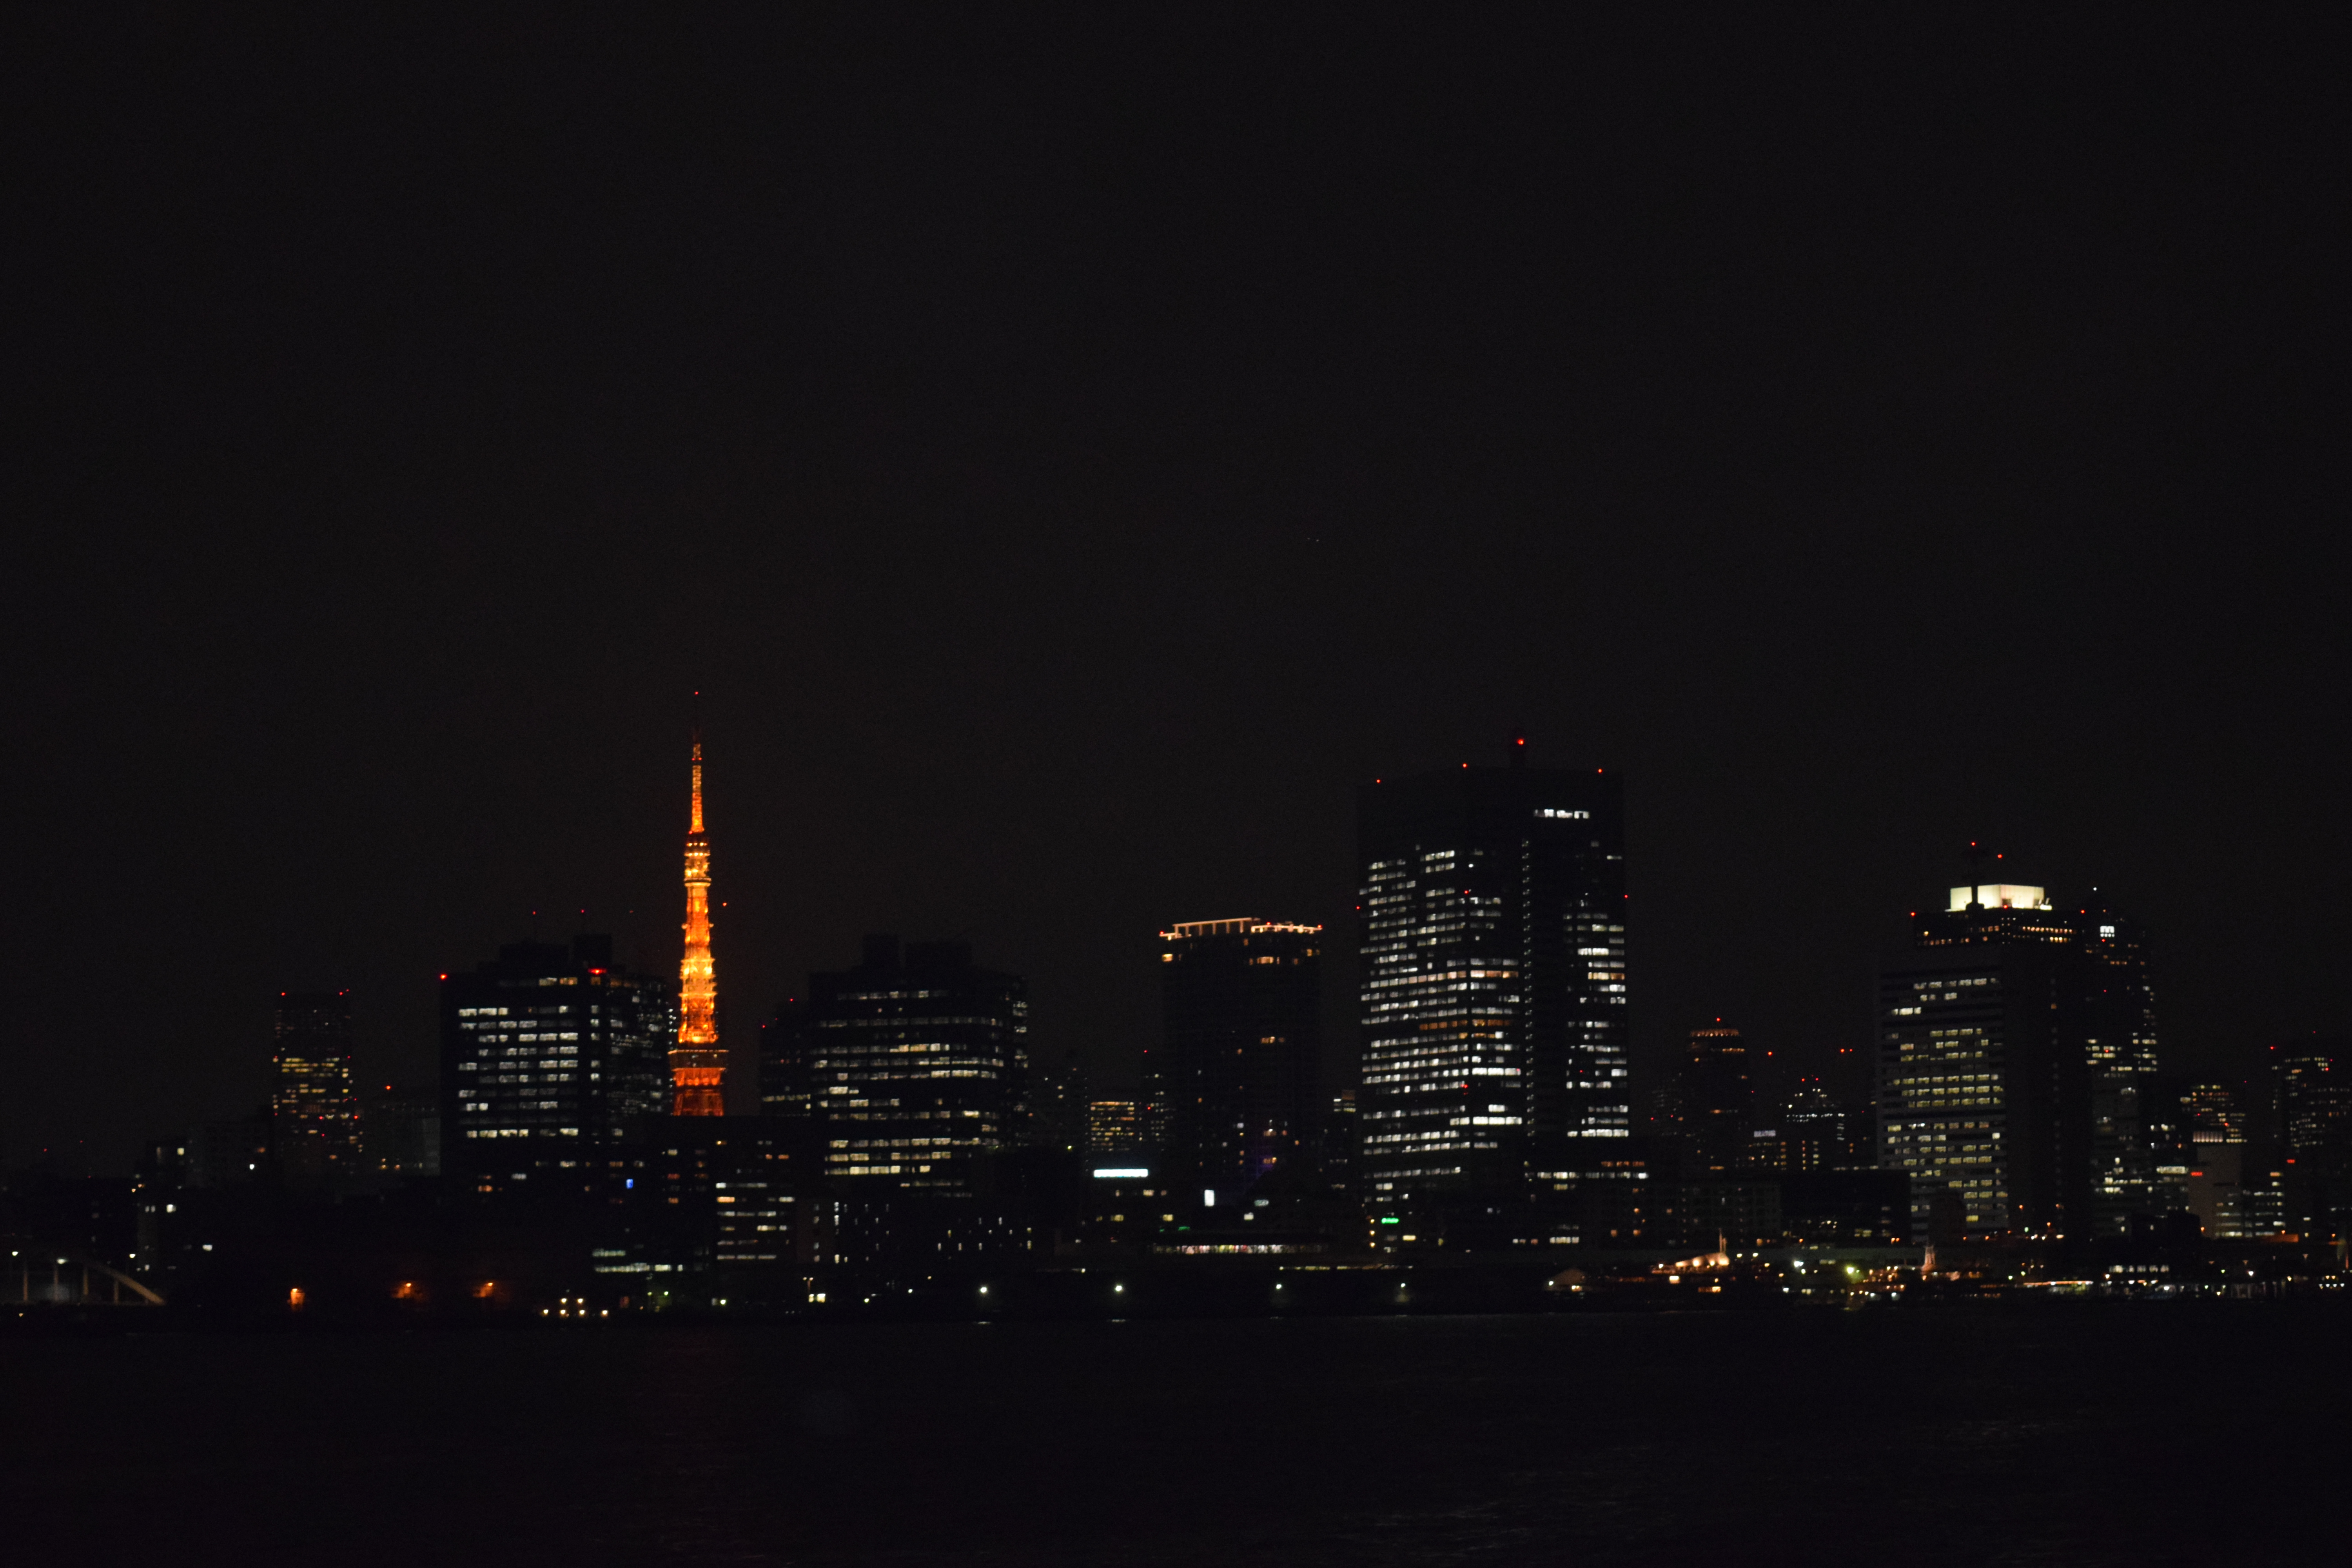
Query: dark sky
(1070, 455)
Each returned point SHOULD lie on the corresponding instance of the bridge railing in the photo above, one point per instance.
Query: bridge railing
(55, 1279)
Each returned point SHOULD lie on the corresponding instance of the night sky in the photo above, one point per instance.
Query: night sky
(1069, 455)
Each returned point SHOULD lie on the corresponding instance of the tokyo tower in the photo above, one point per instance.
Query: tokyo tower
(698, 1068)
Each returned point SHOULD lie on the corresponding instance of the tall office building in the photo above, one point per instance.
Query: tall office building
(1114, 1129)
(550, 1056)
(1058, 1105)
(1239, 1068)
(313, 1110)
(698, 1066)
(2015, 1041)
(1715, 1099)
(1493, 982)
(1819, 1132)
(2312, 1080)
(2214, 1186)
(915, 1064)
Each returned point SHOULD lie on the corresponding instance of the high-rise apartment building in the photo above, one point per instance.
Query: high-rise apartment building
(1239, 1068)
(915, 1064)
(1493, 982)
(2015, 1040)
(549, 1055)
(314, 1111)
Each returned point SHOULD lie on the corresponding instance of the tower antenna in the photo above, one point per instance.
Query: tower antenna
(698, 1068)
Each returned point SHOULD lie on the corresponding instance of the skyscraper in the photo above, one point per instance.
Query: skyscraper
(1494, 981)
(312, 1106)
(549, 1056)
(1113, 1130)
(1058, 1105)
(2314, 1082)
(1239, 1069)
(698, 1068)
(1717, 1098)
(2014, 1041)
(915, 1064)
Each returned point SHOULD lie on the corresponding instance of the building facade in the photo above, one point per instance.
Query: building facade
(1240, 1066)
(1115, 1129)
(915, 1064)
(2017, 1042)
(2311, 1078)
(314, 1111)
(1974, 1099)
(550, 1056)
(1715, 1098)
(1492, 909)
(400, 1131)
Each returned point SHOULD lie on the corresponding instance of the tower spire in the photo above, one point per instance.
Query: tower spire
(698, 1068)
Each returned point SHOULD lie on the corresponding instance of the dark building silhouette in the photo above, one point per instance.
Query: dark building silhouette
(915, 1064)
(2313, 1080)
(1058, 1105)
(784, 1063)
(400, 1130)
(1715, 1099)
(550, 1056)
(1493, 982)
(1848, 1207)
(706, 1208)
(232, 1152)
(1240, 1067)
(315, 1114)
(1819, 1132)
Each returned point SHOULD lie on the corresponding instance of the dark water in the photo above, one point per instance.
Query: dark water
(2138, 1435)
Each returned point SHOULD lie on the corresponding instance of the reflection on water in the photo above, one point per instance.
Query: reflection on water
(2132, 1435)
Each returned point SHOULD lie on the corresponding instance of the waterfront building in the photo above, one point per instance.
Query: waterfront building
(1239, 1068)
(916, 1064)
(1492, 909)
(314, 1115)
(550, 1056)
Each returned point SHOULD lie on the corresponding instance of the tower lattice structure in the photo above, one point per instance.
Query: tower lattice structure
(698, 1068)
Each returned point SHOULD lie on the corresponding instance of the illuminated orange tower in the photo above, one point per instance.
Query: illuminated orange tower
(698, 1068)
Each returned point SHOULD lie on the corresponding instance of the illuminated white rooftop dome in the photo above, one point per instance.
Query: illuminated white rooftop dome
(2001, 896)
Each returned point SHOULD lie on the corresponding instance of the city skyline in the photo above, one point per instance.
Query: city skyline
(851, 785)
(1927, 473)
(1120, 1065)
